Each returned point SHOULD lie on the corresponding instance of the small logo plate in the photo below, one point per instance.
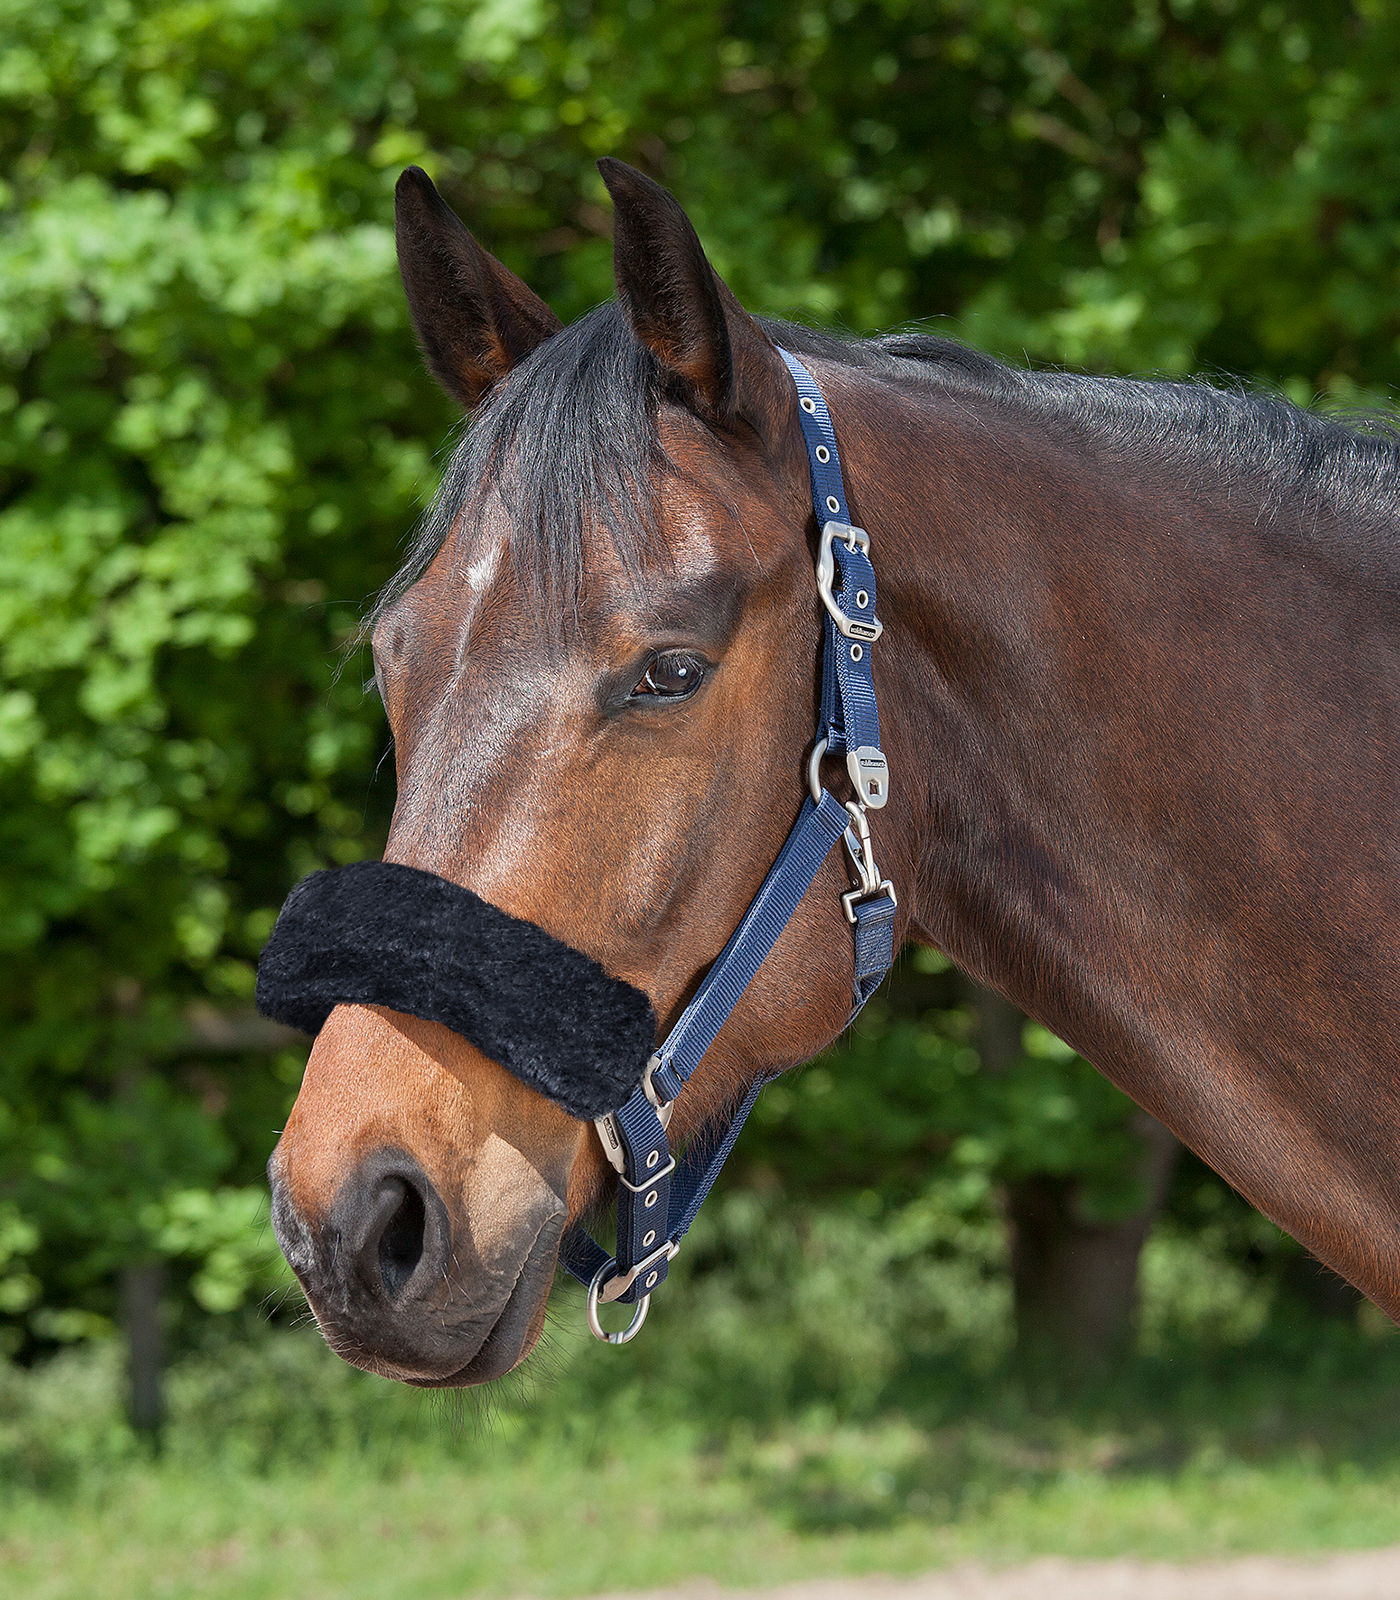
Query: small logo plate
(870, 773)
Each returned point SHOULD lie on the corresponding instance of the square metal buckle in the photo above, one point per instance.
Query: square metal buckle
(856, 897)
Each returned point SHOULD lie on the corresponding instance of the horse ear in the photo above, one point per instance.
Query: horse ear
(474, 318)
(682, 310)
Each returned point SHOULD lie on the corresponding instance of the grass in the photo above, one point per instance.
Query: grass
(658, 1514)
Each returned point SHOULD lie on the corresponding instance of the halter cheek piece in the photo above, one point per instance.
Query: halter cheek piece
(384, 934)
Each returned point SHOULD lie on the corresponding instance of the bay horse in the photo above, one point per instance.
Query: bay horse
(1138, 685)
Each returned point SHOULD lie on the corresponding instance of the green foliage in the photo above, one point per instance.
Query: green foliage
(214, 435)
(903, 1093)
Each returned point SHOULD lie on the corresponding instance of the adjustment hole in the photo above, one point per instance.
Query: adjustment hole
(649, 1239)
(856, 652)
(808, 406)
(823, 454)
(832, 503)
(862, 599)
(650, 1200)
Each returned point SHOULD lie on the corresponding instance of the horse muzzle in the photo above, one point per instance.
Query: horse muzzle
(423, 1227)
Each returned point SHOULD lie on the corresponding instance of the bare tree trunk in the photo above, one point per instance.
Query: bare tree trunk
(1074, 1280)
(141, 1288)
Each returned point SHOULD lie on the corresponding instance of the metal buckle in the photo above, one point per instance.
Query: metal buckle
(610, 1137)
(661, 1172)
(604, 1293)
(610, 1129)
(663, 1108)
(855, 539)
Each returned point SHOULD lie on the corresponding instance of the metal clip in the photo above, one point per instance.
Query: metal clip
(862, 853)
(854, 539)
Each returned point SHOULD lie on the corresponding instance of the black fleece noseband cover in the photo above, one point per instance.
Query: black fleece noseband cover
(378, 933)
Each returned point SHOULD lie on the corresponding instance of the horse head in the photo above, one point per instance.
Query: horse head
(600, 669)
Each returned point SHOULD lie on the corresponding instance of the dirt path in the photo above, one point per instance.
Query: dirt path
(1354, 1575)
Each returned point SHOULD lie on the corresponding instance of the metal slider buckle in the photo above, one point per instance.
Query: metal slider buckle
(854, 539)
(618, 1286)
(641, 1188)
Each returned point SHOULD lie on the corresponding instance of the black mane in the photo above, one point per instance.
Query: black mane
(571, 442)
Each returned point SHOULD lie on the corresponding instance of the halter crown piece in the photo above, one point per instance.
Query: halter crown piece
(657, 1199)
(381, 933)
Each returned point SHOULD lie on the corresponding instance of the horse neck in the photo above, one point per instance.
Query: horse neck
(1125, 723)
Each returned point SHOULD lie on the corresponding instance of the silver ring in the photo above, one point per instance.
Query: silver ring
(639, 1314)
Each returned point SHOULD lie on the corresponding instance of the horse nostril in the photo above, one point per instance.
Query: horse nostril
(401, 1242)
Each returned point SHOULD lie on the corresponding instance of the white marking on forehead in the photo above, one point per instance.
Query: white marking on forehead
(693, 548)
(479, 574)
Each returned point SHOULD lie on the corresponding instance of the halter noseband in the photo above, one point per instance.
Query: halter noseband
(381, 933)
(657, 1198)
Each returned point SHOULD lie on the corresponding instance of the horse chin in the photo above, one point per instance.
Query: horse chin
(439, 1347)
(510, 1342)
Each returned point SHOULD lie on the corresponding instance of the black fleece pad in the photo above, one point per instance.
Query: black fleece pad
(383, 934)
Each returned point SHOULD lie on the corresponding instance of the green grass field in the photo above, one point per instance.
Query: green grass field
(546, 1523)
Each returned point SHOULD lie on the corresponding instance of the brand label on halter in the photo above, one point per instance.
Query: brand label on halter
(870, 773)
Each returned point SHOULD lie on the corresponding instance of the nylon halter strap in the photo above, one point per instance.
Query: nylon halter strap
(657, 1197)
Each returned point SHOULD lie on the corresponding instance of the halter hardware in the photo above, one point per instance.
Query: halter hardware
(634, 1136)
(869, 628)
(862, 853)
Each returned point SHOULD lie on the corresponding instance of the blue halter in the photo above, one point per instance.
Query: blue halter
(658, 1197)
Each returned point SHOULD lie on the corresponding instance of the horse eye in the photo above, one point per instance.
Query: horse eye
(672, 676)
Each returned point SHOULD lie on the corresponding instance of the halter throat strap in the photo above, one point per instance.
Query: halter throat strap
(658, 1197)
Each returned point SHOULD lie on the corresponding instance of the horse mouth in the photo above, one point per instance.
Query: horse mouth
(517, 1328)
(446, 1325)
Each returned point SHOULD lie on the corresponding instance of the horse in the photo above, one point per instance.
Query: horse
(1137, 680)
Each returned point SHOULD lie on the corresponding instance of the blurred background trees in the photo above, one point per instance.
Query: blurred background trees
(215, 435)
